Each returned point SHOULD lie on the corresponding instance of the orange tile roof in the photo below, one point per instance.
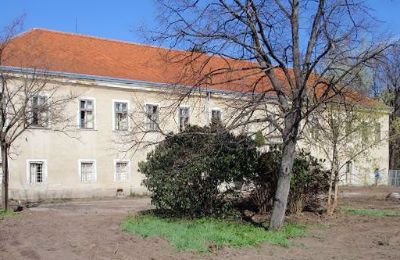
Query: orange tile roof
(82, 54)
(75, 53)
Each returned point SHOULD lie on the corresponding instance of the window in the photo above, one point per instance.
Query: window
(314, 127)
(120, 116)
(86, 113)
(216, 116)
(36, 171)
(349, 170)
(121, 171)
(40, 115)
(348, 128)
(364, 133)
(183, 118)
(377, 132)
(151, 117)
(87, 171)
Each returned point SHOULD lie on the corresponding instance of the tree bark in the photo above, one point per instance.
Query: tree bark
(283, 188)
(4, 188)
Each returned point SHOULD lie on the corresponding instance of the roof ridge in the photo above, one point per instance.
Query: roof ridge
(99, 38)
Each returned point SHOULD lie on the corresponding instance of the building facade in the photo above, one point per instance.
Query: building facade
(116, 85)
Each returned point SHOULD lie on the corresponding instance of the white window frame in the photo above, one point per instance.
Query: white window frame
(179, 115)
(128, 176)
(113, 113)
(28, 171)
(215, 109)
(80, 161)
(48, 112)
(377, 132)
(78, 118)
(145, 115)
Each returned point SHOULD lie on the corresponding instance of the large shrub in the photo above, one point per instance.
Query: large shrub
(308, 184)
(190, 173)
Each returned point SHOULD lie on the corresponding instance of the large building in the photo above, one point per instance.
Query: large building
(115, 83)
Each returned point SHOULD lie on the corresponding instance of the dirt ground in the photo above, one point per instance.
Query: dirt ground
(88, 229)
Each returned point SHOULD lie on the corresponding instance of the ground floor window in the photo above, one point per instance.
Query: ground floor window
(216, 115)
(87, 170)
(36, 171)
(121, 171)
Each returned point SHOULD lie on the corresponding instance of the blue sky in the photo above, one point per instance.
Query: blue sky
(120, 19)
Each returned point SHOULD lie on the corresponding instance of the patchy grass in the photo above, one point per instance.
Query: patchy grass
(207, 233)
(372, 212)
(8, 213)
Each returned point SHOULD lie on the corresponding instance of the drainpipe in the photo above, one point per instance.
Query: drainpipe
(207, 108)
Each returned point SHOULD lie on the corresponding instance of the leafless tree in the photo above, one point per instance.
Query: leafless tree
(28, 100)
(284, 50)
(341, 134)
(387, 87)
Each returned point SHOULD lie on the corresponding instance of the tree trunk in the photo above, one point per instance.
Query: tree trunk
(335, 198)
(4, 188)
(329, 210)
(283, 188)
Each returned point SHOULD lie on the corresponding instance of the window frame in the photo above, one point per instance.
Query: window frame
(79, 113)
(377, 132)
(94, 179)
(44, 171)
(179, 117)
(114, 101)
(47, 123)
(146, 118)
(216, 109)
(128, 174)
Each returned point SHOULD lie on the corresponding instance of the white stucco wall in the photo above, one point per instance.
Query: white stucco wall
(62, 152)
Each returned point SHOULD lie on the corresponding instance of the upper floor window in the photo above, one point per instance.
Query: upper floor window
(87, 171)
(216, 115)
(364, 133)
(86, 113)
(36, 171)
(120, 116)
(152, 117)
(183, 118)
(40, 112)
(378, 132)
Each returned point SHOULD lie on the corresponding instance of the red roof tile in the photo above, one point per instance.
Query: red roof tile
(82, 54)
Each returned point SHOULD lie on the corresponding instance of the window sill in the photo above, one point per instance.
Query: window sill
(39, 128)
(87, 129)
(120, 131)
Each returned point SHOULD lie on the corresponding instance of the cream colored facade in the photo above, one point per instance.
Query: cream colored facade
(61, 154)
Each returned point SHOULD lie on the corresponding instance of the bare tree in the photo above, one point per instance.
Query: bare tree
(280, 50)
(28, 100)
(387, 87)
(341, 134)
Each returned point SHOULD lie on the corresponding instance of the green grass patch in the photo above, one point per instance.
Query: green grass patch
(7, 213)
(208, 233)
(372, 212)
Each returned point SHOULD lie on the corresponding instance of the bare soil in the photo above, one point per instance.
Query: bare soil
(90, 229)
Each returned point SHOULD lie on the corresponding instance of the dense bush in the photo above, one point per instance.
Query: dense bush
(187, 172)
(308, 184)
(193, 173)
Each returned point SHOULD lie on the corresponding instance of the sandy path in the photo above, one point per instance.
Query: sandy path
(91, 230)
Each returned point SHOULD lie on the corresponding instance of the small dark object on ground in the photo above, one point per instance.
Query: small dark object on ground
(393, 196)
(120, 192)
(18, 208)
